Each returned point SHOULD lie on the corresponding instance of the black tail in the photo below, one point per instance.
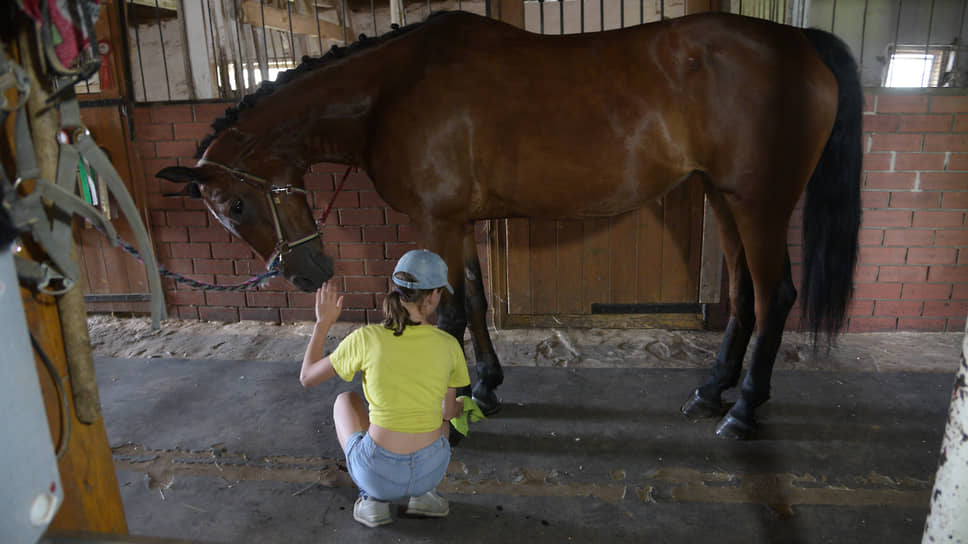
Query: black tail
(831, 218)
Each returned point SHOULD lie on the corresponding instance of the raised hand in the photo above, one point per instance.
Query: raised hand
(329, 304)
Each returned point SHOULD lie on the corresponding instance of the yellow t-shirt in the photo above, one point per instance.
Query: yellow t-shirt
(405, 377)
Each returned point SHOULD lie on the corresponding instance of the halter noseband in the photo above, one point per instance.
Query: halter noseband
(283, 246)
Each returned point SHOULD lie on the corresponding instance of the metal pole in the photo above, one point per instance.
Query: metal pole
(947, 521)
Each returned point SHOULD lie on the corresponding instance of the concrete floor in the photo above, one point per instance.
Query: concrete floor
(237, 451)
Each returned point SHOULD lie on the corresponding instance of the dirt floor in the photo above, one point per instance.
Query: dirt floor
(571, 348)
(215, 441)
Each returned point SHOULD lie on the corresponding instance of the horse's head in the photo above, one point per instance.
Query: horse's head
(269, 213)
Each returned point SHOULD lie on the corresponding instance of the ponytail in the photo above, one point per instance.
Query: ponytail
(396, 317)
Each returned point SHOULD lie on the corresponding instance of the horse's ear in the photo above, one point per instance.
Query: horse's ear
(178, 174)
(181, 174)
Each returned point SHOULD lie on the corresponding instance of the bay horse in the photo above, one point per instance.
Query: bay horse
(463, 118)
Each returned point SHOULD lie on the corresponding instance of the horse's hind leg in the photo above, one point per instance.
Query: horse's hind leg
(489, 372)
(769, 265)
(705, 401)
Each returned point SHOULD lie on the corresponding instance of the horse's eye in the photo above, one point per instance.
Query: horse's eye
(236, 208)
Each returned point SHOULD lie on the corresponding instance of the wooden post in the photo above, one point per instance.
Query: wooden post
(92, 500)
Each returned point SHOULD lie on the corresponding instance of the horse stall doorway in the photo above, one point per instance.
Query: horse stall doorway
(654, 267)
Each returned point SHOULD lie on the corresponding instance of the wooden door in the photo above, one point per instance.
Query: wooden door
(639, 269)
(113, 280)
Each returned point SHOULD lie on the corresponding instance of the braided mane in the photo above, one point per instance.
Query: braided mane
(307, 65)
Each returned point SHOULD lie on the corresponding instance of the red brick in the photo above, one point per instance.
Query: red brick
(349, 268)
(900, 103)
(185, 297)
(945, 308)
(358, 300)
(218, 298)
(219, 313)
(372, 199)
(188, 219)
(386, 233)
(898, 308)
(209, 234)
(897, 142)
(863, 273)
(861, 308)
(926, 123)
(960, 291)
(188, 250)
(955, 325)
(870, 102)
(214, 266)
(142, 115)
(882, 255)
(877, 161)
(207, 113)
(292, 315)
(890, 180)
(146, 150)
(961, 122)
(342, 234)
(874, 199)
(170, 234)
(946, 142)
(908, 237)
(176, 148)
(379, 267)
(231, 250)
(191, 131)
(888, 291)
(318, 182)
(361, 251)
(952, 181)
(954, 200)
(871, 324)
(156, 218)
(938, 219)
(919, 161)
(949, 103)
(902, 273)
(269, 315)
(357, 181)
(882, 218)
(170, 114)
(365, 284)
(155, 132)
(931, 255)
(407, 233)
(395, 251)
(254, 299)
(957, 274)
(926, 291)
(958, 161)
(920, 324)
(880, 123)
(300, 299)
(397, 218)
(915, 199)
(369, 216)
(345, 199)
(185, 312)
(963, 256)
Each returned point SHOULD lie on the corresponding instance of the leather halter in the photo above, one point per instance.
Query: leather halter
(272, 192)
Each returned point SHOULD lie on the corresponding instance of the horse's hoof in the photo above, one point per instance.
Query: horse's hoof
(486, 399)
(731, 428)
(698, 407)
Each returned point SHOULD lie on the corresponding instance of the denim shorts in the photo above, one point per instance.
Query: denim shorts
(389, 476)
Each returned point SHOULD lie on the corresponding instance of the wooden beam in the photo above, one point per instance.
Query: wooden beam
(278, 19)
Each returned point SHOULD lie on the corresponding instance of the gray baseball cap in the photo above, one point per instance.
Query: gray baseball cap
(429, 269)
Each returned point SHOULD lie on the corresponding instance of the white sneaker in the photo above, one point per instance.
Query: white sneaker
(430, 504)
(371, 512)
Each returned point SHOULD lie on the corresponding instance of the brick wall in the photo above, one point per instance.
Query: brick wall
(912, 273)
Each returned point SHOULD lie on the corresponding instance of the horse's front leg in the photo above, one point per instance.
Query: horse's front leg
(489, 372)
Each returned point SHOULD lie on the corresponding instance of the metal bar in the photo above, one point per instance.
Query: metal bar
(343, 18)
(429, 9)
(561, 17)
(927, 45)
(141, 64)
(224, 78)
(240, 82)
(833, 17)
(621, 13)
(265, 44)
(164, 56)
(641, 12)
(661, 9)
(541, 16)
(319, 33)
(373, 14)
(863, 33)
(601, 14)
(292, 39)
(581, 16)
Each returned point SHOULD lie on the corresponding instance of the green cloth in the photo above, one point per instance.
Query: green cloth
(472, 411)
